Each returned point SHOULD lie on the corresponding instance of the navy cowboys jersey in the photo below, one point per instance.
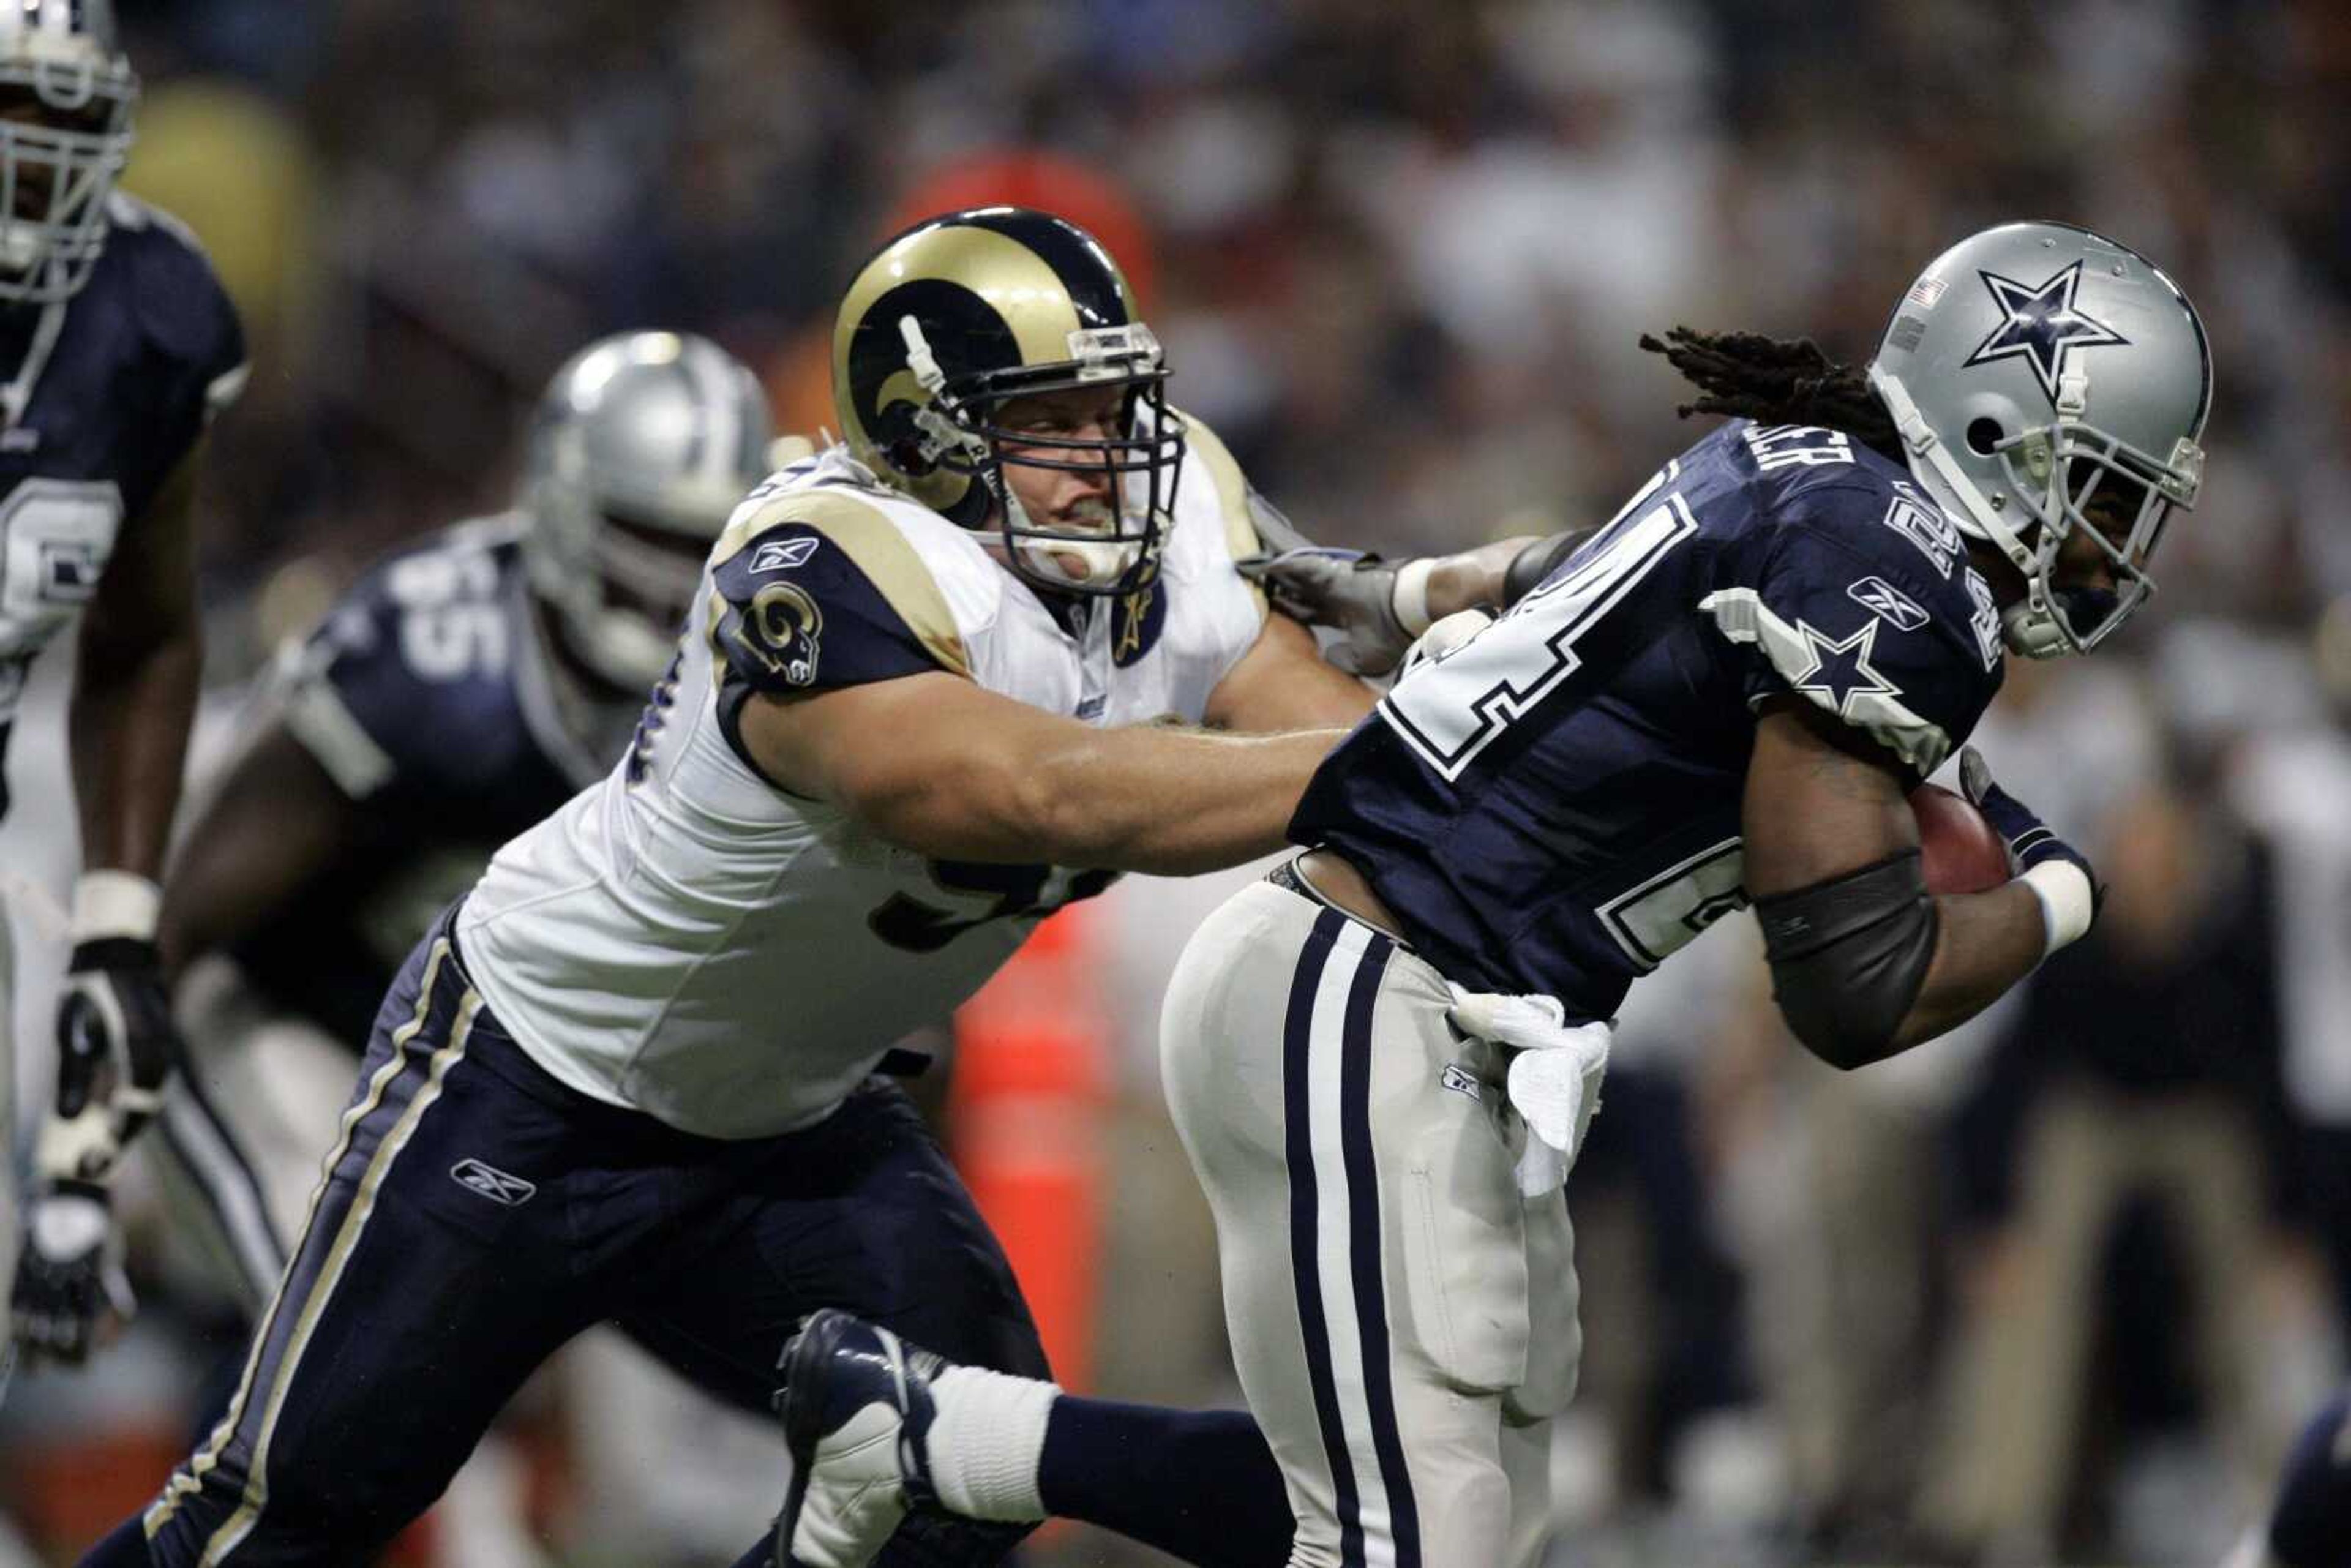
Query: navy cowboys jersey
(147, 352)
(427, 694)
(1554, 807)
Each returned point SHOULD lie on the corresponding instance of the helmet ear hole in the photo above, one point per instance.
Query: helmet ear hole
(1984, 436)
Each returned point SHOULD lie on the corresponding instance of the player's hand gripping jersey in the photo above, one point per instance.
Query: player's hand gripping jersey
(687, 939)
(1554, 806)
(117, 386)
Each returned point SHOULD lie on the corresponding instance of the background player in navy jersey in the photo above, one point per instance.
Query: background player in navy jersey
(117, 346)
(1382, 1061)
(460, 691)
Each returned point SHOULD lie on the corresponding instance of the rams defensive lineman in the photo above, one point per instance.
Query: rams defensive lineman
(458, 693)
(919, 704)
(1383, 1058)
(117, 345)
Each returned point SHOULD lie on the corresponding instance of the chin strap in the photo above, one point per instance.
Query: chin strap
(2030, 628)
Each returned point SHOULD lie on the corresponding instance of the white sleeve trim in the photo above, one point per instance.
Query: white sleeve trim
(317, 717)
(1795, 650)
(226, 389)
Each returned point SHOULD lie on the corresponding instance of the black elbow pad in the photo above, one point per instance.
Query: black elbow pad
(1532, 564)
(1848, 956)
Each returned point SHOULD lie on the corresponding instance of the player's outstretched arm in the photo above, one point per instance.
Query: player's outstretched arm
(1866, 962)
(939, 765)
(1379, 607)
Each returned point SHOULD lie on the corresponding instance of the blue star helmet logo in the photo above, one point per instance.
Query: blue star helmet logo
(2042, 325)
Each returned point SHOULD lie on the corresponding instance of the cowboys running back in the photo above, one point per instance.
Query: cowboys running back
(1382, 1059)
(918, 703)
(460, 691)
(117, 348)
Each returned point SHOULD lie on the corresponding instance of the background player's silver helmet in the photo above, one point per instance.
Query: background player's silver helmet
(642, 447)
(2032, 369)
(59, 60)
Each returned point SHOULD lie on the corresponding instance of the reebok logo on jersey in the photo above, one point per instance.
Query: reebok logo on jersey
(782, 555)
(1888, 602)
(1459, 1080)
(492, 1182)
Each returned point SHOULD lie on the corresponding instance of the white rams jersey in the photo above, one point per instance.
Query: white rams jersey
(689, 940)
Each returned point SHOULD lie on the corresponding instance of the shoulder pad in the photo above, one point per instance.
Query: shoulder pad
(1236, 501)
(186, 315)
(1840, 607)
(409, 681)
(819, 586)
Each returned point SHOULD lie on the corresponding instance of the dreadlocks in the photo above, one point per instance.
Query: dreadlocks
(1777, 381)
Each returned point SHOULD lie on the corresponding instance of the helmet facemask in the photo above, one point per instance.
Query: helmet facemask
(2061, 477)
(56, 173)
(621, 585)
(960, 432)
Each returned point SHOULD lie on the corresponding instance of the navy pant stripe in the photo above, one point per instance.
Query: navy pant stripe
(1363, 1250)
(1297, 1144)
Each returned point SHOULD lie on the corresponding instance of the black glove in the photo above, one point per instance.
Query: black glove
(116, 1047)
(1346, 589)
(115, 1039)
(69, 1274)
(2036, 853)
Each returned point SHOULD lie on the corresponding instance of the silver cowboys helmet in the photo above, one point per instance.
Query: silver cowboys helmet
(61, 59)
(641, 445)
(2039, 373)
(964, 313)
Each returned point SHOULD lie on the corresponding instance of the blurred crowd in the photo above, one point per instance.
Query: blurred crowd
(2060, 1286)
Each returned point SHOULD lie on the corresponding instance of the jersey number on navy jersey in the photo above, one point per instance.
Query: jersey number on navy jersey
(57, 534)
(1451, 709)
(450, 626)
(980, 893)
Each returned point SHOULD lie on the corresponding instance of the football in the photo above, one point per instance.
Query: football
(1959, 851)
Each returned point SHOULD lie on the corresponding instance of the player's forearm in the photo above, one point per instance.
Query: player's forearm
(1474, 579)
(1985, 943)
(128, 728)
(1173, 802)
(1141, 799)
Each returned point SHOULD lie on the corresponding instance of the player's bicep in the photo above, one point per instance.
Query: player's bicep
(148, 590)
(1282, 684)
(1822, 801)
(932, 762)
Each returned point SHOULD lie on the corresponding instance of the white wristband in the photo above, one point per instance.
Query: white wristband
(2067, 901)
(114, 903)
(1411, 596)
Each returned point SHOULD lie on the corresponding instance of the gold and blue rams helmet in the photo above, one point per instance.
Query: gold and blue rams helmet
(963, 313)
(58, 167)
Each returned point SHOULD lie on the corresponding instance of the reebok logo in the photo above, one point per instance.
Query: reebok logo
(1888, 602)
(492, 1183)
(1457, 1079)
(782, 555)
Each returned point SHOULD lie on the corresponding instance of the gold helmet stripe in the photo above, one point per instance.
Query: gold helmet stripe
(1012, 279)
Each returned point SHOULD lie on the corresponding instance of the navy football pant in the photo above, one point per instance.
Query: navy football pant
(477, 1214)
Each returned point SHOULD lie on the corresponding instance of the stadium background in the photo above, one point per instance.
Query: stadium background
(2059, 1287)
